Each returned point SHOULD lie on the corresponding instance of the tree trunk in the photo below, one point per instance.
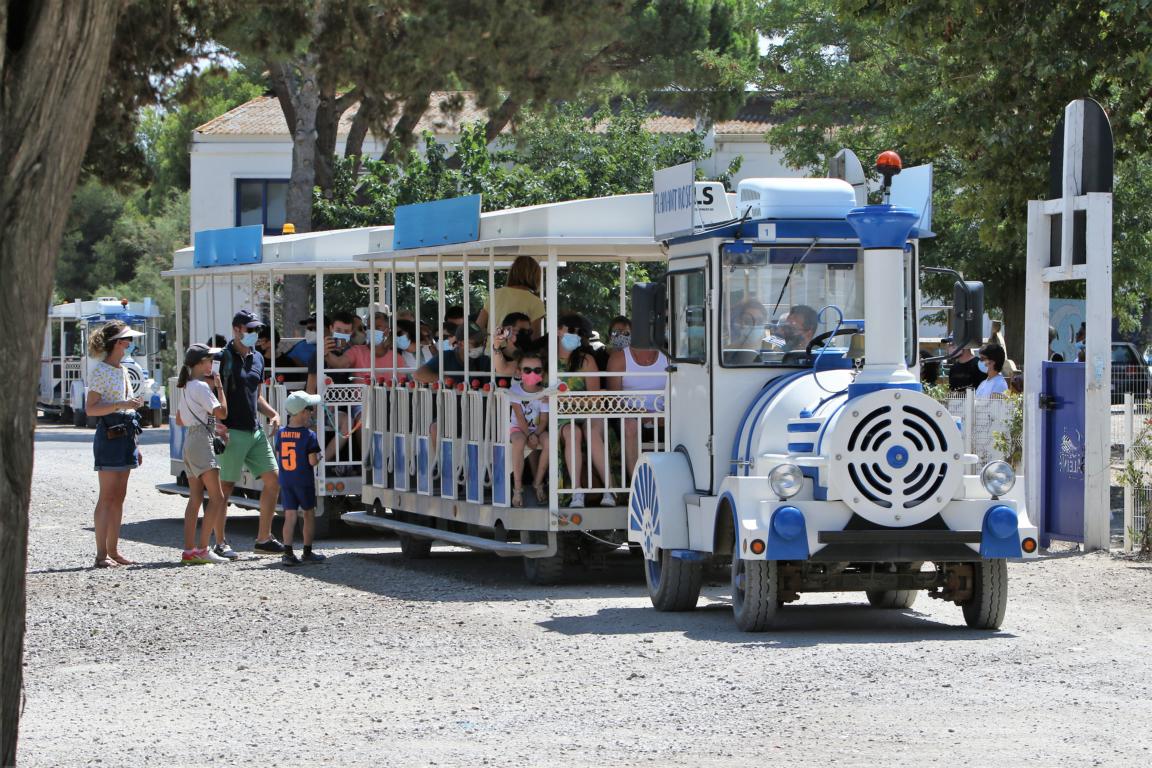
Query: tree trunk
(500, 118)
(414, 109)
(358, 132)
(52, 70)
(1012, 306)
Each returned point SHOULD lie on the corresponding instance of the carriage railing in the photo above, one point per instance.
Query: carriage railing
(72, 370)
(467, 449)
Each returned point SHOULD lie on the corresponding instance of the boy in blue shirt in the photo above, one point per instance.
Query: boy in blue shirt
(297, 453)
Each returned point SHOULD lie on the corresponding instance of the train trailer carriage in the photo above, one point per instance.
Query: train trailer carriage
(818, 464)
(440, 452)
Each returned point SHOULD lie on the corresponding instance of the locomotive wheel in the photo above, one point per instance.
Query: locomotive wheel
(989, 601)
(755, 593)
(673, 584)
(891, 598)
(414, 547)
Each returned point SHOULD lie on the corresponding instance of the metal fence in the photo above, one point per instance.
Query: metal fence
(980, 419)
(1131, 428)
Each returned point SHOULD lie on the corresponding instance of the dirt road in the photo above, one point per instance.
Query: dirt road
(374, 660)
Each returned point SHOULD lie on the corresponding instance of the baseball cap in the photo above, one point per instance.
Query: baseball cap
(473, 329)
(198, 352)
(246, 319)
(311, 320)
(299, 400)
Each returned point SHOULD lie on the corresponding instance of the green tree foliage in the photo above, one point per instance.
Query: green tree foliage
(565, 154)
(976, 89)
(165, 132)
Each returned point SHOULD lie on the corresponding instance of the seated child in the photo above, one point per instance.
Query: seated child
(298, 453)
(529, 428)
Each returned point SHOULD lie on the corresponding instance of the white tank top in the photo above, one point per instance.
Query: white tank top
(641, 377)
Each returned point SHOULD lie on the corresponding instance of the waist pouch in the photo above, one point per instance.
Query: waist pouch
(120, 425)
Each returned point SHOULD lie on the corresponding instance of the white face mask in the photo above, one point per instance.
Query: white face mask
(475, 352)
(310, 337)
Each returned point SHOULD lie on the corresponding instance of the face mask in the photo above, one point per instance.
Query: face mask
(745, 332)
(983, 368)
(403, 342)
(377, 337)
(531, 379)
(570, 341)
(446, 345)
(428, 354)
(475, 352)
(310, 337)
(130, 348)
(1079, 346)
(621, 340)
(249, 339)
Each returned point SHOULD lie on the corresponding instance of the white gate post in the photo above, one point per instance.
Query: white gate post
(1129, 435)
(1098, 373)
(1035, 353)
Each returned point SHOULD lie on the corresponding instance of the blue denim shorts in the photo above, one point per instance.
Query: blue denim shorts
(116, 454)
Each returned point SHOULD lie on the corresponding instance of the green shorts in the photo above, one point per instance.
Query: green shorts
(251, 449)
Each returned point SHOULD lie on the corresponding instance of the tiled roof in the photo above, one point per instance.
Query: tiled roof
(262, 117)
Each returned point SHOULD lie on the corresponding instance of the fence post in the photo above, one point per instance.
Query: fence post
(970, 420)
(1128, 437)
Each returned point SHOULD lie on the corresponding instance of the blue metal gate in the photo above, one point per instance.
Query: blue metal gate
(1062, 471)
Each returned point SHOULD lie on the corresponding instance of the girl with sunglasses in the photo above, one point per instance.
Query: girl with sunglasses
(528, 432)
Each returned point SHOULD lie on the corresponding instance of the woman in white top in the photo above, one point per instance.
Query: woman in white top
(115, 446)
(642, 370)
(991, 358)
(200, 407)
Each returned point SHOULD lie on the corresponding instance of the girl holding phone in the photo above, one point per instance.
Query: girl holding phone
(202, 403)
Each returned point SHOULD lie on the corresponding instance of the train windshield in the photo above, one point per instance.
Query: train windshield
(779, 304)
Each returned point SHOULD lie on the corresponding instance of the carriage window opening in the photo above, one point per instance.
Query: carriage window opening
(689, 316)
(262, 201)
(770, 299)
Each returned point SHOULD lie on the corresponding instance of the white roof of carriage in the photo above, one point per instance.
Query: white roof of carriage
(604, 228)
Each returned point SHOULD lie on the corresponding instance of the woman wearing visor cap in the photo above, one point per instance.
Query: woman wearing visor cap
(115, 446)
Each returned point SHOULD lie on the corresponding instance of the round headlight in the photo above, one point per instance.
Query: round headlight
(786, 480)
(998, 477)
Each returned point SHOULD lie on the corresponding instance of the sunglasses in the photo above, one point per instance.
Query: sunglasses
(537, 369)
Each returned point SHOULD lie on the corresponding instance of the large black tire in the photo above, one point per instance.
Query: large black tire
(673, 584)
(755, 593)
(986, 608)
(546, 571)
(414, 547)
(898, 599)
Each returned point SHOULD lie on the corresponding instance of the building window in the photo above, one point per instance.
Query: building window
(263, 202)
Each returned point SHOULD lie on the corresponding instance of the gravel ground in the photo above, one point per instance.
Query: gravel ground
(374, 660)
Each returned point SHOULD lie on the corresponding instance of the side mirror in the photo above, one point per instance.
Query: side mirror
(161, 340)
(967, 312)
(649, 316)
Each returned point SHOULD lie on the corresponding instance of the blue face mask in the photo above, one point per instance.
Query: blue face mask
(403, 342)
(249, 339)
(130, 348)
(377, 337)
(982, 366)
(446, 345)
(1079, 346)
(570, 341)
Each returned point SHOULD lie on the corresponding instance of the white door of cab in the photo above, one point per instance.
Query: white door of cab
(690, 384)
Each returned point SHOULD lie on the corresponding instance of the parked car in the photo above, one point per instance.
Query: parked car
(1130, 374)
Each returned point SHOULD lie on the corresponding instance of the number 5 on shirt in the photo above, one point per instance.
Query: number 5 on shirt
(287, 456)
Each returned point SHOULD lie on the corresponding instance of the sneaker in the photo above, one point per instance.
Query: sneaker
(577, 500)
(194, 557)
(270, 547)
(213, 555)
(225, 551)
(289, 559)
(313, 557)
(608, 500)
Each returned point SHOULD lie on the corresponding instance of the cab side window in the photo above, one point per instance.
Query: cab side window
(689, 316)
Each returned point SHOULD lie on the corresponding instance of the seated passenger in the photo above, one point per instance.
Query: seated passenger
(573, 355)
(479, 364)
(797, 328)
(745, 331)
(512, 336)
(643, 370)
(264, 344)
(304, 352)
(389, 353)
(528, 431)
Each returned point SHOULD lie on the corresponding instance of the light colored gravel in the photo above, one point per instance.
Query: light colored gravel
(374, 660)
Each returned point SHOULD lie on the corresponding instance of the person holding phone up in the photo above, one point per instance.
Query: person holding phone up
(115, 446)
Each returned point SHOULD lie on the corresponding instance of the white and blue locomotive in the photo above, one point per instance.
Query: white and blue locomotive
(804, 452)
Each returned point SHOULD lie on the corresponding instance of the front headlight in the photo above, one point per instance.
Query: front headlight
(998, 477)
(786, 480)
